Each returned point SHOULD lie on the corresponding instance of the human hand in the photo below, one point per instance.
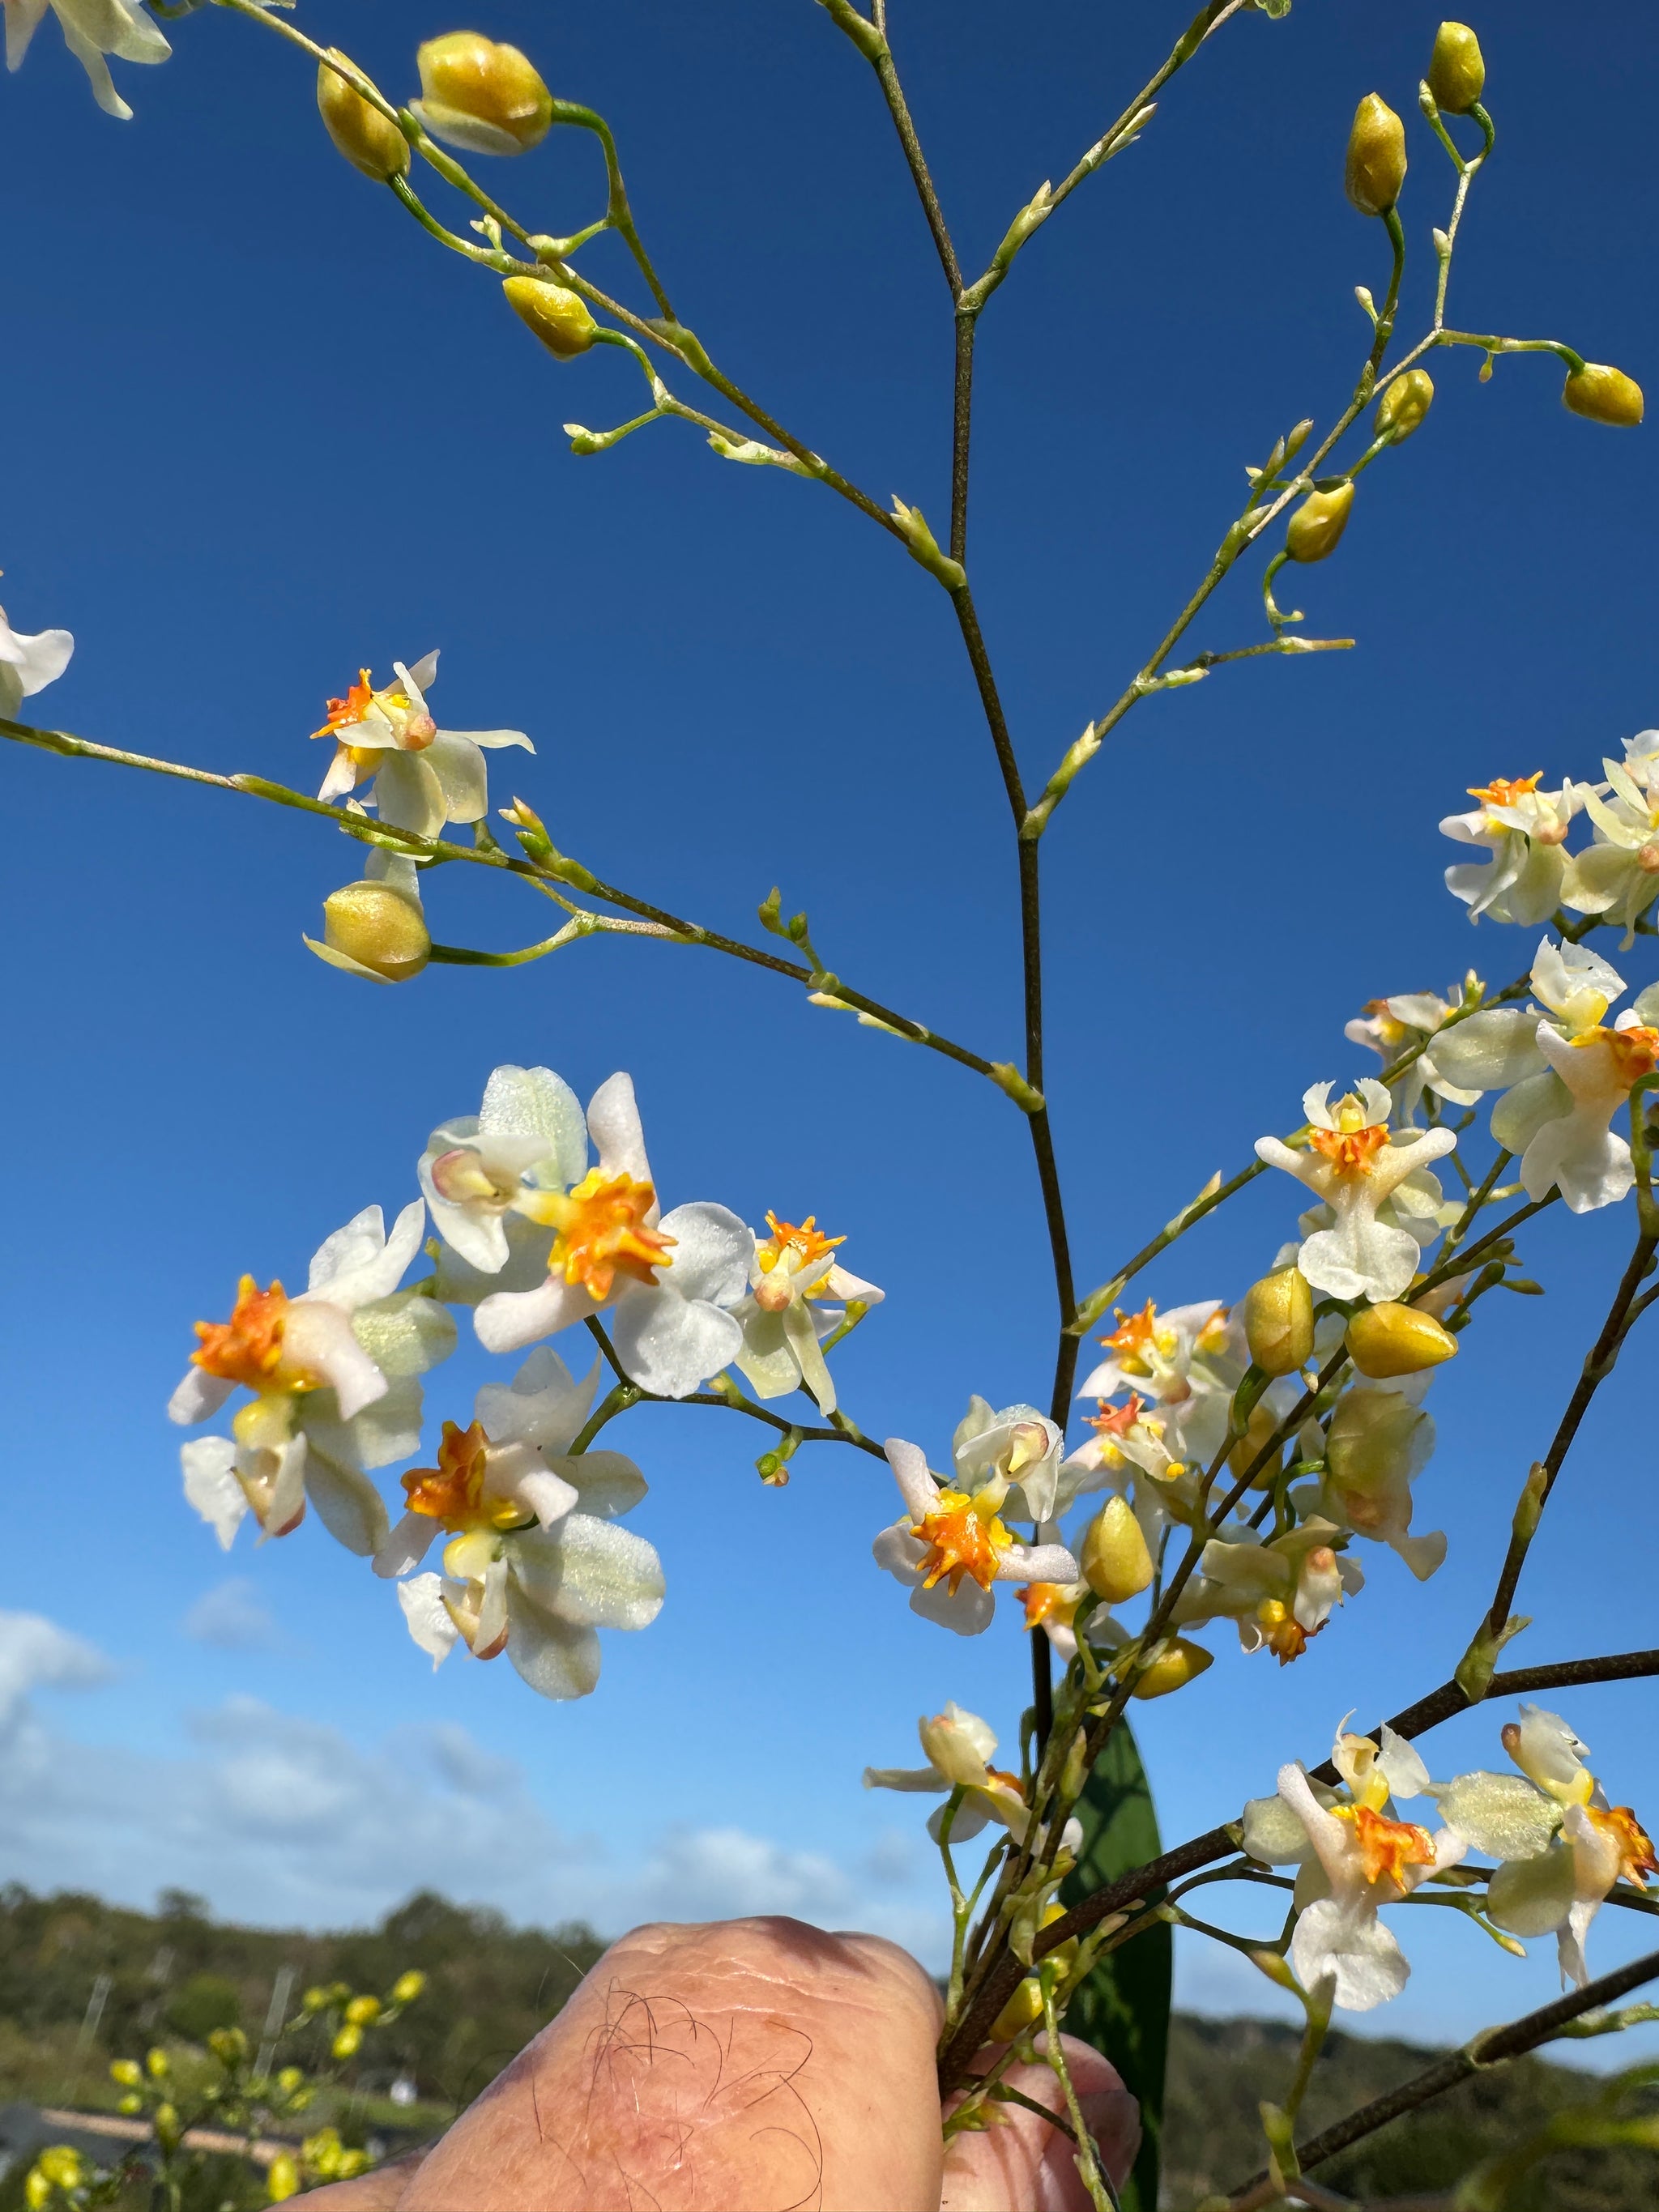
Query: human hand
(747, 2066)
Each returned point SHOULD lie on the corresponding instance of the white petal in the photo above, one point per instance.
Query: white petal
(405, 1334)
(591, 1573)
(1532, 1896)
(388, 1428)
(607, 1485)
(422, 1600)
(1504, 1815)
(318, 1338)
(916, 1485)
(613, 1123)
(198, 1397)
(969, 1613)
(1401, 1765)
(534, 1102)
(1041, 1562)
(347, 1504)
(712, 1255)
(558, 1660)
(462, 777)
(211, 1486)
(405, 1545)
(900, 1553)
(1353, 1946)
(669, 1345)
(508, 1320)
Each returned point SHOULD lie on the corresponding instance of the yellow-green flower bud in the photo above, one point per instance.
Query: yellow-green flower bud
(126, 2071)
(408, 1987)
(1316, 527)
(156, 2063)
(228, 2045)
(1377, 156)
(132, 2102)
(314, 2000)
(351, 2163)
(1403, 405)
(348, 2042)
(1279, 1319)
(38, 2190)
(1259, 1431)
(1177, 1664)
(1023, 2011)
(362, 134)
(167, 2125)
(1601, 394)
(363, 2012)
(382, 929)
(60, 2166)
(1457, 68)
(486, 97)
(1394, 1339)
(1115, 1562)
(281, 2179)
(560, 318)
(290, 2079)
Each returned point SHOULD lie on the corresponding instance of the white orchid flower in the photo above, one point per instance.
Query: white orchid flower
(1562, 1846)
(1390, 1026)
(533, 1565)
(1497, 1049)
(1280, 1593)
(798, 1295)
(669, 1283)
(1525, 830)
(1356, 1860)
(950, 1546)
(92, 29)
(1354, 1167)
(423, 776)
(1184, 1363)
(1378, 1441)
(958, 1746)
(333, 1374)
(1577, 1151)
(1619, 874)
(479, 1170)
(27, 665)
(1018, 1442)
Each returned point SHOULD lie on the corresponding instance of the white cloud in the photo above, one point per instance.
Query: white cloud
(36, 1654)
(281, 1820)
(232, 1617)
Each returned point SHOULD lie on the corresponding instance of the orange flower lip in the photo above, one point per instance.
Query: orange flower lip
(352, 709)
(452, 1491)
(1504, 790)
(1116, 1420)
(1625, 1832)
(248, 1347)
(807, 1243)
(960, 1543)
(1135, 1333)
(1387, 1847)
(602, 1233)
(1048, 1601)
(1350, 1151)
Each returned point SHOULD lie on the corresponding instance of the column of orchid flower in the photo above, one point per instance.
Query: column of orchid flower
(1241, 1451)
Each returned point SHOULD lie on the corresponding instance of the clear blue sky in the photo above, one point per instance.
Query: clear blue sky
(265, 432)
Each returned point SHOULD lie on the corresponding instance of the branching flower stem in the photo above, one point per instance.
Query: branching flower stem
(661, 924)
(1493, 2046)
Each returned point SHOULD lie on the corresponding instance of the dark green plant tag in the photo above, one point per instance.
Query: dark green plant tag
(1123, 2008)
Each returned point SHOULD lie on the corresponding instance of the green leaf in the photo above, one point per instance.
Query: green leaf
(1123, 2008)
